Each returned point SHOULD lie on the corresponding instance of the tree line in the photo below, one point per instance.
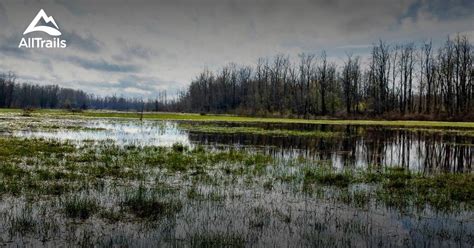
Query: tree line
(399, 81)
(394, 81)
(24, 95)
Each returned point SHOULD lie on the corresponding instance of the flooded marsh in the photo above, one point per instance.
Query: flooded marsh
(122, 182)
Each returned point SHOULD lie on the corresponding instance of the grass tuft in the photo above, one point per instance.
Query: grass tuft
(23, 223)
(145, 204)
(328, 177)
(80, 207)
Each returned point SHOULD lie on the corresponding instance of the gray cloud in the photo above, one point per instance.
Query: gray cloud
(3, 16)
(130, 86)
(448, 10)
(144, 46)
(102, 65)
(9, 47)
(132, 81)
(440, 9)
(86, 43)
(73, 6)
(129, 51)
(145, 83)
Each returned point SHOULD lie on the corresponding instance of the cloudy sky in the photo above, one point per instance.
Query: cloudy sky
(137, 48)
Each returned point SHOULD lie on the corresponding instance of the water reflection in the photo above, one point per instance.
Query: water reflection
(359, 147)
(121, 133)
(356, 147)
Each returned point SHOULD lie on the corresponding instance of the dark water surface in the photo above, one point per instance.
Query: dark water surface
(360, 146)
(421, 150)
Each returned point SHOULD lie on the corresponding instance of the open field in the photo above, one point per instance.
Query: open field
(95, 178)
(231, 118)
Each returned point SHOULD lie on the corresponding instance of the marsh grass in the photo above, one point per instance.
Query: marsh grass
(326, 176)
(27, 112)
(444, 192)
(23, 222)
(149, 184)
(146, 204)
(217, 240)
(397, 187)
(80, 207)
(194, 194)
(111, 215)
(11, 148)
(258, 131)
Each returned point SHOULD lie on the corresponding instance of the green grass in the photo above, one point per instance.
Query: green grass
(231, 118)
(396, 187)
(327, 177)
(257, 131)
(402, 188)
(31, 147)
(44, 167)
(7, 110)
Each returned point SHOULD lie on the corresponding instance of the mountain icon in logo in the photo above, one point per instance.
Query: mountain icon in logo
(47, 29)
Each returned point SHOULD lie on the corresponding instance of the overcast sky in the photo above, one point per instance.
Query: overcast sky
(137, 48)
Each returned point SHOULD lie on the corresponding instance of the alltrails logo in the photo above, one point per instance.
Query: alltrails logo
(52, 30)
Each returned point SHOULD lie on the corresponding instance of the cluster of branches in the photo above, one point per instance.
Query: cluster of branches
(24, 95)
(397, 80)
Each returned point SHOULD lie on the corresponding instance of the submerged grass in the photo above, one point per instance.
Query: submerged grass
(325, 176)
(396, 187)
(80, 207)
(60, 168)
(23, 222)
(401, 188)
(146, 204)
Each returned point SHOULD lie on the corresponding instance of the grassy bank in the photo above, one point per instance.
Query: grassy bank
(231, 118)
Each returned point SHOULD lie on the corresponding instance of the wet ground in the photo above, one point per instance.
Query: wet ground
(231, 202)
